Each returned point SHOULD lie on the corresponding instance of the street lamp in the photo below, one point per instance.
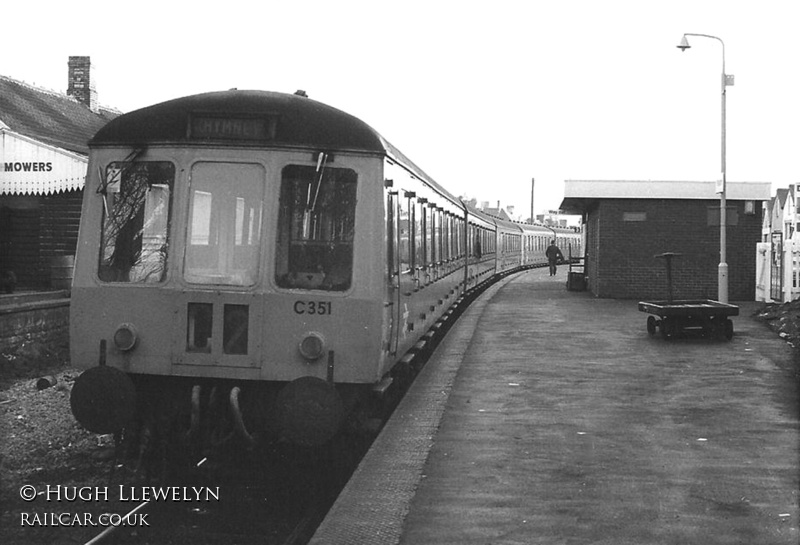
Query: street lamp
(722, 278)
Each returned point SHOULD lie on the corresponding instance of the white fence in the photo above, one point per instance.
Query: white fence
(778, 271)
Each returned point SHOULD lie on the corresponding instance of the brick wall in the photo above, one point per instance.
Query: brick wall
(592, 250)
(628, 233)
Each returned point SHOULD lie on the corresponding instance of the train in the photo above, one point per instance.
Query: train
(257, 264)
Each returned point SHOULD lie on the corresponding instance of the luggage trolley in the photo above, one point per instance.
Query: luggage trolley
(703, 315)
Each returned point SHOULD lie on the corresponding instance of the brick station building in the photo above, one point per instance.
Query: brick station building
(628, 223)
(43, 160)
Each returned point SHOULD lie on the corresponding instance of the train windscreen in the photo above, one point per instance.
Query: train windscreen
(137, 198)
(224, 231)
(315, 228)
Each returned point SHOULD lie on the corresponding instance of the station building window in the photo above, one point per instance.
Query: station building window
(731, 216)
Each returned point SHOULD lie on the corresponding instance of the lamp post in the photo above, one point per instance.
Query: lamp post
(722, 276)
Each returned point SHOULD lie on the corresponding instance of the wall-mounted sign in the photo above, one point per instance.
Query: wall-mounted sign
(28, 167)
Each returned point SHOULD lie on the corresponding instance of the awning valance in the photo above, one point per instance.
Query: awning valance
(29, 167)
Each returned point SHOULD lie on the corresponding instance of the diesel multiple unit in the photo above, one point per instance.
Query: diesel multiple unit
(257, 263)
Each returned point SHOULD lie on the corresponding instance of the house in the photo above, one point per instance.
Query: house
(778, 267)
(789, 213)
(628, 223)
(778, 208)
(766, 219)
(43, 160)
(497, 212)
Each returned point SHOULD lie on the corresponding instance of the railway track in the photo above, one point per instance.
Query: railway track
(277, 494)
(273, 496)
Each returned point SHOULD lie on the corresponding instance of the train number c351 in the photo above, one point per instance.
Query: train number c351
(313, 307)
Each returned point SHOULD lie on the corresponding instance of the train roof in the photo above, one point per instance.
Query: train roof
(257, 118)
(242, 117)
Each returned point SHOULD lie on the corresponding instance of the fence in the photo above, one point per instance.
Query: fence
(778, 270)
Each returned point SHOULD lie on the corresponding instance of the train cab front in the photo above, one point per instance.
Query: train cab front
(226, 286)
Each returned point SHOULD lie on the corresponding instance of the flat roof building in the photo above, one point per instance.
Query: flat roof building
(628, 222)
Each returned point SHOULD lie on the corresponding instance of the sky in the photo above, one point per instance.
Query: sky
(483, 96)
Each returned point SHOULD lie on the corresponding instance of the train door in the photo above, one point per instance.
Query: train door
(406, 268)
(393, 264)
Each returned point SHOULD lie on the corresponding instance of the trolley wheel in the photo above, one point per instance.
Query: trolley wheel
(716, 328)
(728, 328)
(667, 327)
(651, 325)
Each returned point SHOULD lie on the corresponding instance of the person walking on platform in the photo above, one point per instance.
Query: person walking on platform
(554, 255)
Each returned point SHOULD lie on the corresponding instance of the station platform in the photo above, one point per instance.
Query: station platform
(551, 417)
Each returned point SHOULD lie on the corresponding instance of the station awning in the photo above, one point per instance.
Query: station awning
(30, 167)
(582, 195)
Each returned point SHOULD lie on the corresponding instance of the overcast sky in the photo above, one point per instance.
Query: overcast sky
(483, 96)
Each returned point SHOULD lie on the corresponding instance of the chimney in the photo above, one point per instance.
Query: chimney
(533, 216)
(81, 84)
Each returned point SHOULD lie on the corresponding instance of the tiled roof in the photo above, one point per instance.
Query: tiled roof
(497, 212)
(781, 194)
(49, 117)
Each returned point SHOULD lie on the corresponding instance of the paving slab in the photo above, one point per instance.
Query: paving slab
(550, 416)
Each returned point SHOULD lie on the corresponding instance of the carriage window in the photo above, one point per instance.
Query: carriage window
(390, 231)
(136, 215)
(431, 235)
(439, 245)
(459, 237)
(404, 226)
(419, 235)
(222, 244)
(315, 228)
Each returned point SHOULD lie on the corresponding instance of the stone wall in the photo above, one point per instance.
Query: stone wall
(35, 318)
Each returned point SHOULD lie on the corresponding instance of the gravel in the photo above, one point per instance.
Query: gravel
(783, 319)
(43, 445)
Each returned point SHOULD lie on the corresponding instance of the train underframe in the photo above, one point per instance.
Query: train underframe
(165, 422)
